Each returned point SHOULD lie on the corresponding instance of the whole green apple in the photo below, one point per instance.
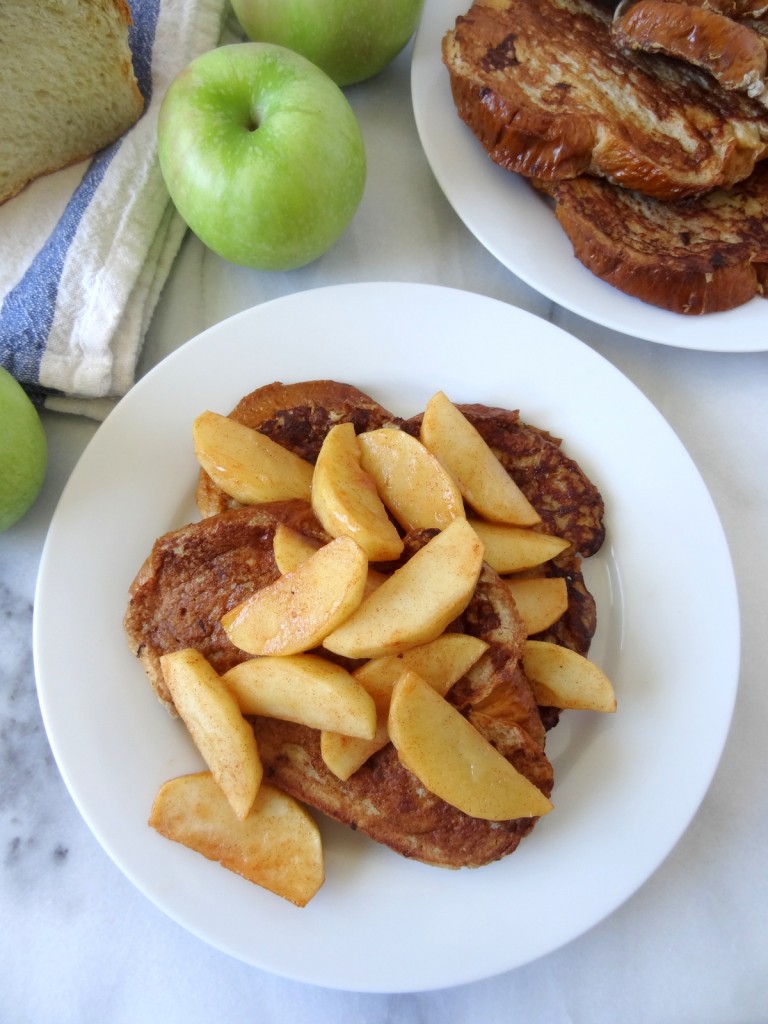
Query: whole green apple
(262, 155)
(351, 40)
(23, 451)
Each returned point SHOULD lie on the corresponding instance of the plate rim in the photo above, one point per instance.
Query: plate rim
(380, 295)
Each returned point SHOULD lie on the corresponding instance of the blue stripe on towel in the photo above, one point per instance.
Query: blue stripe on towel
(27, 312)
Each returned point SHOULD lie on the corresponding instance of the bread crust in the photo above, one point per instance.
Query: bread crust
(701, 255)
(644, 123)
(732, 52)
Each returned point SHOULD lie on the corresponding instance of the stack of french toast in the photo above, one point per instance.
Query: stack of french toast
(646, 123)
(200, 584)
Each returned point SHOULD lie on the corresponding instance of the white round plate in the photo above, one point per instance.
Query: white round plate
(517, 226)
(626, 785)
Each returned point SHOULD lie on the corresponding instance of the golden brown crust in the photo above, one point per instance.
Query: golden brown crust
(739, 9)
(652, 125)
(733, 53)
(700, 255)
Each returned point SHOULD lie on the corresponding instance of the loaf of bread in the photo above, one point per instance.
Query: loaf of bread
(67, 84)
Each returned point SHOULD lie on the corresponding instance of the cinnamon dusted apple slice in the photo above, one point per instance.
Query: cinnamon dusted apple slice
(441, 663)
(291, 548)
(304, 688)
(561, 678)
(277, 846)
(247, 465)
(541, 601)
(453, 760)
(516, 548)
(481, 478)
(417, 602)
(411, 482)
(216, 724)
(345, 499)
(298, 610)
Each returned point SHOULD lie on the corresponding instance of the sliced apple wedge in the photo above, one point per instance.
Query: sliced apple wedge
(411, 482)
(304, 688)
(541, 601)
(561, 678)
(455, 761)
(441, 663)
(481, 478)
(277, 846)
(345, 499)
(248, 466)
(516, 548)
(298, 610)
(417, 602)
(216, 724)
(292, 548)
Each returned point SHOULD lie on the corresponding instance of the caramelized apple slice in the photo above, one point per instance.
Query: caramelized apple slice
(481, 478)
(277, 846)
(298, 610)
(561, 678)
(304, 688)
(216, 724)
(516, 548)
(541, 601)
(417, 602)
(455, 761)
(411, 482)
(248, 466)
(292, 548)
(345, 500)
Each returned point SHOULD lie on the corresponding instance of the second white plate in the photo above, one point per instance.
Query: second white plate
(515, 224)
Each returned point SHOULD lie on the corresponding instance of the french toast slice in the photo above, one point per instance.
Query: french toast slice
(699, 255)
(728, 49)
(550, 94)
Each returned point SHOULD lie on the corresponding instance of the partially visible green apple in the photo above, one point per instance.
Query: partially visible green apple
(23, 451)
(262, 155)
(351, 40)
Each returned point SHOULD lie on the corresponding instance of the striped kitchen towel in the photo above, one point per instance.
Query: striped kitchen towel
(84, 252)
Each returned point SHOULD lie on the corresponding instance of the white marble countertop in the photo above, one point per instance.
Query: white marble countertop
(78, 943)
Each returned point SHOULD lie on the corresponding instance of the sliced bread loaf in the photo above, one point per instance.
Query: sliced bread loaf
(67, 84)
